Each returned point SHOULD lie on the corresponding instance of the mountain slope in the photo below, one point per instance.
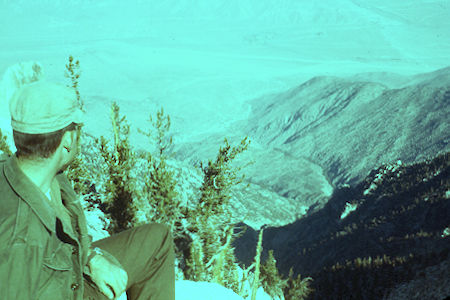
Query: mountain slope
(398, 228)
(336, 122)
(327, 132)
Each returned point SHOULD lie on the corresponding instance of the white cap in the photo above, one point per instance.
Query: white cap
(43, 107)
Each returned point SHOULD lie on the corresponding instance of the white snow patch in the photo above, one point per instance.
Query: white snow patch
(446, 232)
(372, 187)
(349, 207)
(388, 170)
(190, 290)
(96, 225)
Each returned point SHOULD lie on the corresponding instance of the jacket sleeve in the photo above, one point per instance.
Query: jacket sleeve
(86, 239)
(20, 271)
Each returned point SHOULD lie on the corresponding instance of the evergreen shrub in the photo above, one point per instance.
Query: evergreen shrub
(204, 226)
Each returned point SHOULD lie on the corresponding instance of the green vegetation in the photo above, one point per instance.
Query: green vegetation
(73, 73)
(218, 179)
(120, 159)
(272, 281)
(291, 288)
(257, 265)
(209, 222)
(77, 171)
(3, 144)
(159, 192)
(297, 288)
(205, 222)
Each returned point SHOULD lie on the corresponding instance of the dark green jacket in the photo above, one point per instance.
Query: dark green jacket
(35, 263)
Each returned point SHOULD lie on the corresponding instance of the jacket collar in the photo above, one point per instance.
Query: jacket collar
(30, 193)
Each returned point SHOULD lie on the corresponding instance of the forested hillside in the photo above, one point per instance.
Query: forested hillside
(388, 236)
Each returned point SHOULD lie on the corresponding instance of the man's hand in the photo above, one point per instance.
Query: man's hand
(110, 279)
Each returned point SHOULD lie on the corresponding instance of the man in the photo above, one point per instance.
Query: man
(45, 250)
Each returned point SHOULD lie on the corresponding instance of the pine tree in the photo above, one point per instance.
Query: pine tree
(256, 281)
(73, 73)
(160, 184)
(77, 172)
(120, 160)
(271, 279)
(210, 220)
(219, 177)
(297, 288)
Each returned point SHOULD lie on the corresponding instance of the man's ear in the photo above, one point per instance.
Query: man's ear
(67, 140)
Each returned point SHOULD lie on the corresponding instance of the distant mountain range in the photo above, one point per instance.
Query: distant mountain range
(329, 132)
(350, 127)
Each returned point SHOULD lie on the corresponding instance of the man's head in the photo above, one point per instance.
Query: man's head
(46, 121)
(39, 147)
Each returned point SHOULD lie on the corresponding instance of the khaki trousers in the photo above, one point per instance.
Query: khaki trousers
(146, 253)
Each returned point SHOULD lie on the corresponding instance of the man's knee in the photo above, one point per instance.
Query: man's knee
(156, 229)
(158, 233)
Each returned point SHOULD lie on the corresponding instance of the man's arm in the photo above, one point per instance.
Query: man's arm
(91, 253)
(20, 269)
(107, 273)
